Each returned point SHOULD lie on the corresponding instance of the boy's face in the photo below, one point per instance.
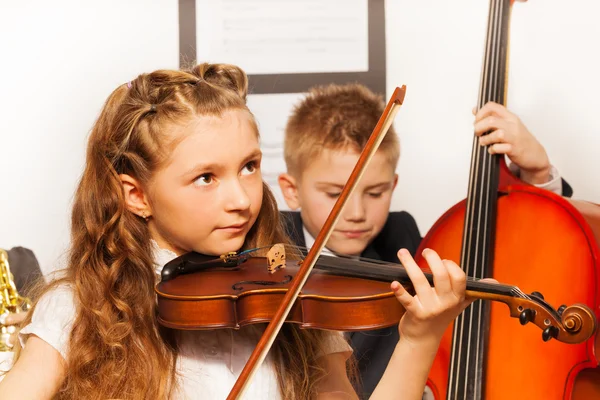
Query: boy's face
(317, 189)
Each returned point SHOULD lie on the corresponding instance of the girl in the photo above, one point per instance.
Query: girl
(173, 165)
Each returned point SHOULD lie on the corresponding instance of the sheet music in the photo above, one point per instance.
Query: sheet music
(284, 36)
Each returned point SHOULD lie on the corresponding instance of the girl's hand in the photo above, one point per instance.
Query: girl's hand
(508, 135)
(431, 309)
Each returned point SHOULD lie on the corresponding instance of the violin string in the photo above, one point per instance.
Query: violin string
(391, 270)
(519, 293)
(364, 267)
(357, 265)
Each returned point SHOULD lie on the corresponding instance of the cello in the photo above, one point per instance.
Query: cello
(516, 233)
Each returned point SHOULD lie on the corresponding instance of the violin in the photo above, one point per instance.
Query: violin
(342, 293)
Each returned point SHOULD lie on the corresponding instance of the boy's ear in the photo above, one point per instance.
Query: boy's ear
(289, 188)
(135, 197)
(395, 182)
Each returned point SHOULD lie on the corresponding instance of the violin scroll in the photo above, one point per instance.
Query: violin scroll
(579, 317)
(575, 324)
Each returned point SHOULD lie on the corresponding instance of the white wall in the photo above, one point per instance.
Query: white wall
(61, 59)
(435, 47)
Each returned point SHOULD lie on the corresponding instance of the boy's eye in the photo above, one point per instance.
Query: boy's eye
(204, 180)
(249, 168)
(375, 195)
(333, 195)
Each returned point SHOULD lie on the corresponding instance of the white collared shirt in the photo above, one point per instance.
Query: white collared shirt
(209, 362)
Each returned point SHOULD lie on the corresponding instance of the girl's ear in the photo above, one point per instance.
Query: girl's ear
(289, 188)
(135, 197)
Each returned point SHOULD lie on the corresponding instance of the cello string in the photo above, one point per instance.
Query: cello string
(465, 261)
(473, 251)
(489, 163)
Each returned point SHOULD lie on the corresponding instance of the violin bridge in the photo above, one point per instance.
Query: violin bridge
(276, 257)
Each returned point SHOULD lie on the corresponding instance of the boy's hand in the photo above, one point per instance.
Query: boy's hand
(432, 309)
(509, 136)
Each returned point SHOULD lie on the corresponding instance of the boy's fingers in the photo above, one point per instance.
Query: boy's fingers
(489, 123)
(491, 108)
(500, 148)
(497, 136)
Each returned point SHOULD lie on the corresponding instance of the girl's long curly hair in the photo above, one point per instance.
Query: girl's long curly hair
(116, 348)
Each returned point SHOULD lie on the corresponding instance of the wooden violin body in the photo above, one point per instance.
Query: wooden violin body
(544, 243)
(249, 293)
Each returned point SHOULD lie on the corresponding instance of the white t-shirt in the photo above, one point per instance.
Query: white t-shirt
(209, 362)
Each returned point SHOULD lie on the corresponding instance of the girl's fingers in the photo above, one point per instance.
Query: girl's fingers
(419, 282)
(458, 279)
(405, 298)
(441, 279)
(488, 280)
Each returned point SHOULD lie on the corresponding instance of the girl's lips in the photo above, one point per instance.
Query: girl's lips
(234, 228)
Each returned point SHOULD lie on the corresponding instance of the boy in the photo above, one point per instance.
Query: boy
(323, 140)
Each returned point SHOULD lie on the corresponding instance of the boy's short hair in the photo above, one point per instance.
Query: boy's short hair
(335, 117)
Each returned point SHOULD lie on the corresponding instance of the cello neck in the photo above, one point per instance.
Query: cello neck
(470, 332)
(476, 254)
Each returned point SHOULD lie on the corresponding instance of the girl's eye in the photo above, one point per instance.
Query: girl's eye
(203, 180)
(249, 168)
(333, 195)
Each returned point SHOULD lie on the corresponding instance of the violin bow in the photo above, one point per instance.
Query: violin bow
(273, 328)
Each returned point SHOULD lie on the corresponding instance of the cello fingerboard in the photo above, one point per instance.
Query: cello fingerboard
(470, 334)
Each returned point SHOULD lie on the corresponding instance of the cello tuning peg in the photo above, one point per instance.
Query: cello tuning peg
(538, 294)
(526, 316)
(550, 332)
(561, 309)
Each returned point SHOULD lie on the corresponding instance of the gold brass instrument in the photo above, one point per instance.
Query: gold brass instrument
(10, 302)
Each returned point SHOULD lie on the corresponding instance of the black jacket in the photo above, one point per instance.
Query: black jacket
(372, 349)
